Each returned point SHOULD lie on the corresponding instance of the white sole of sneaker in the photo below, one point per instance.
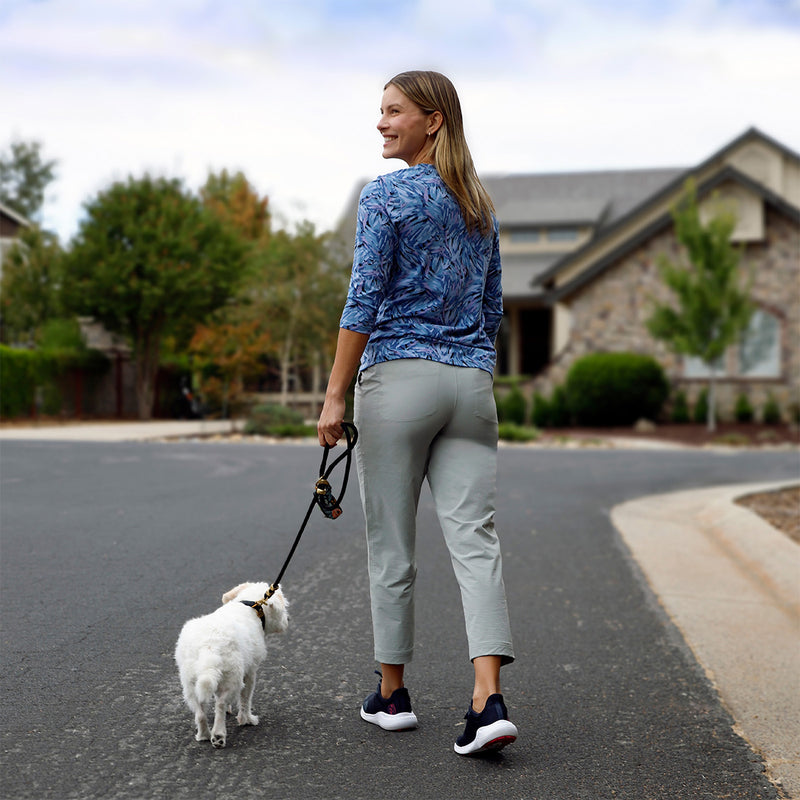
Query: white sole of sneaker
(391, 722)
(490, 737)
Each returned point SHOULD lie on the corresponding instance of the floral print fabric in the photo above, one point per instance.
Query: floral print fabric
(423, 285)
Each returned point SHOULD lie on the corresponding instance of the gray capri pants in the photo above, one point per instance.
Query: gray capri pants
(418, 419)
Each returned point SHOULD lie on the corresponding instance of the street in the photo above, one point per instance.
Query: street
(106, 550)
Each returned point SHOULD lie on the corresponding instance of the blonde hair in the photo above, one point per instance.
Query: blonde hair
(432, 91)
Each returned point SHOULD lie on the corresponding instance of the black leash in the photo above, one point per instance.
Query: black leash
(323, 497)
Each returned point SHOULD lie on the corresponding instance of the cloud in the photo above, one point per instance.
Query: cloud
(289, 92)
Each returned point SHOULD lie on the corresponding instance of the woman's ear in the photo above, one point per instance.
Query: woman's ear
(435, 120)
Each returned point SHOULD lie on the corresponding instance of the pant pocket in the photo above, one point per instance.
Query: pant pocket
(485, 407)
(408, 389)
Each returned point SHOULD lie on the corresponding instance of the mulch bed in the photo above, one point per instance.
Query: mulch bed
(780, 508)
(727, 433)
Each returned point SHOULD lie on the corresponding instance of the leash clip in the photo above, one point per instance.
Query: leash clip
(325, 500)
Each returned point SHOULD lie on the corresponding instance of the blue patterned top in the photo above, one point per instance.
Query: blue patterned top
(423, 285)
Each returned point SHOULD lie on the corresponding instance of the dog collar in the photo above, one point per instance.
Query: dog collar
(256, 606)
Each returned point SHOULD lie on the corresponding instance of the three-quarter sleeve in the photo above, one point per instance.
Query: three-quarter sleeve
(373, 258)
(493, 293)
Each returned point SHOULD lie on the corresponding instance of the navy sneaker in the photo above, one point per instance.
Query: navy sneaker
(490, 730)
(394, 714)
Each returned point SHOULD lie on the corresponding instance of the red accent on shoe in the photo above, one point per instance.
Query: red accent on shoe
(497, 744)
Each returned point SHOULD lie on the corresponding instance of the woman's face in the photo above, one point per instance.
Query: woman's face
(404, 127)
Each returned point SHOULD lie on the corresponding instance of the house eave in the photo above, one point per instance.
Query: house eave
(728, 173)
(658, 198)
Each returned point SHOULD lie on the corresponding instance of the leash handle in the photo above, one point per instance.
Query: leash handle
(327, 502)
(351, 434)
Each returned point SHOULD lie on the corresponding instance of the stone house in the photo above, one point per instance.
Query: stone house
(580, 253)
(599, 294)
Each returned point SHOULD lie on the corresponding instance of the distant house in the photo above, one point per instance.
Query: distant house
(580, 250)
(599, 294)
(11, 224)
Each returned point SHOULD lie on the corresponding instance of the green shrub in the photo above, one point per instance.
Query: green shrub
(272, 419)
(295, 431)
(22, 372)
(540, 413)
(513, 407)
(771, 413)
(743, 410)
(19, 375)
(679, 413)
(615, 389)
(511, 432)
(560, 413)
(700, 410)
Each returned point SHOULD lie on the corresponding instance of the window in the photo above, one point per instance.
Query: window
(760, 347)
(758, 354)
(694, 367)
(562, 234)
(524, 236)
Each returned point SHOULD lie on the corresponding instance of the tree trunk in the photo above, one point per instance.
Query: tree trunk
(712, 403)
(316, 384)
(286, 360)
(286, 356)
(147, 348)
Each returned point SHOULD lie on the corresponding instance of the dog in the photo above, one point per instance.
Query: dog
(218, 656)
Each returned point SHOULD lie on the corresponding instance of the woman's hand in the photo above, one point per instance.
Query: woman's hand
(349, 347)
(329, 427)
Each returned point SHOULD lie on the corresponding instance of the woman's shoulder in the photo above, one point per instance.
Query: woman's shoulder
(408, 176)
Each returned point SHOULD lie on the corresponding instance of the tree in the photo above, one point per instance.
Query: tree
(226, 354)
(24, 177)
(236, 202)
(150, 260)
(31, 284)
(299, 287)
(713, 305)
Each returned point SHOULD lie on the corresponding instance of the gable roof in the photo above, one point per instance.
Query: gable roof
(595, 198)
(14, 216)
(557, 199)
(651, 215)
(725, 175)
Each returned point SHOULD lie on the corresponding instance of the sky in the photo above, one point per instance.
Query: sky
(288, 91)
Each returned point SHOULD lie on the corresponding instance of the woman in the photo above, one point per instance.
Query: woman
(421, 317)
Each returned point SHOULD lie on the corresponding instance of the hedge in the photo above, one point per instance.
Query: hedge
(607, 389)
(272, 419)
(513, 408)
(23, 371)
(19, 375)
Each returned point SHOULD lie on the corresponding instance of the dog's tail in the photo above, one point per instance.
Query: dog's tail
(207, 683)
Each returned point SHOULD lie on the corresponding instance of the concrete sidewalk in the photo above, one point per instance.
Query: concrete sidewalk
(731, 584)
(119, 431)
(728, 580)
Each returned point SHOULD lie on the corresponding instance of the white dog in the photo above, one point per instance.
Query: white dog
(218, 656)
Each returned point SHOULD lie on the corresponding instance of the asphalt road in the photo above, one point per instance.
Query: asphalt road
(108, 548)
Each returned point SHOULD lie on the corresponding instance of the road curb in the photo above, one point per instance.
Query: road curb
(731, 584)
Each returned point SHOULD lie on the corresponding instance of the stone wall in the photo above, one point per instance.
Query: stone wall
(609, 315)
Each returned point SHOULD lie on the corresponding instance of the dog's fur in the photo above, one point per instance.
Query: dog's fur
(218, 656)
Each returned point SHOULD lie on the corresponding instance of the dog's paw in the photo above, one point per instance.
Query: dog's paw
(218, 741)
(247, 719)
(202, 736)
